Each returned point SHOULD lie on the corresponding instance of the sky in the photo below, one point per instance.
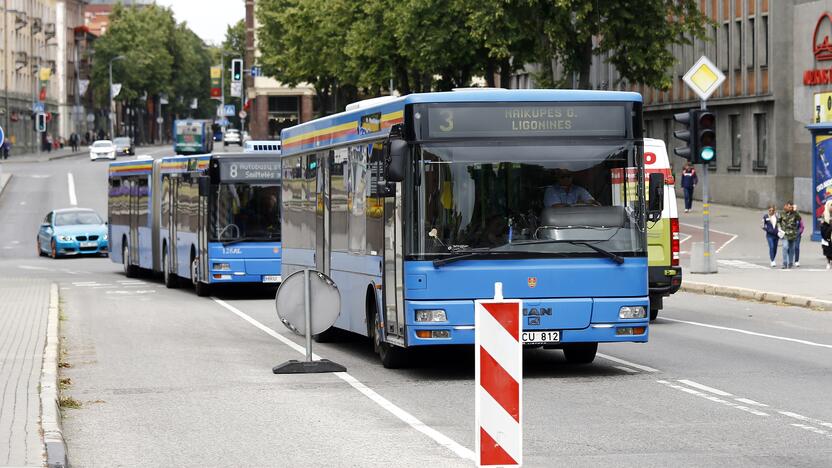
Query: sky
(207, 18)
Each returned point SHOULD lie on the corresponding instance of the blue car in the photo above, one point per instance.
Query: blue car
(72, 231)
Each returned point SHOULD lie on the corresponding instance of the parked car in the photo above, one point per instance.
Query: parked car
(72, 231)
(232, 137)
(124, 145)
(102, 149)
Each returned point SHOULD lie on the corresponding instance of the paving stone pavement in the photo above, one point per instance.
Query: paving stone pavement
(24, 306)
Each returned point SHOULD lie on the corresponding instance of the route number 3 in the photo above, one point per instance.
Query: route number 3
(449, 121)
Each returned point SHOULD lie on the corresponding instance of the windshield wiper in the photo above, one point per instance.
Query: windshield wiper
(613, 256)
(462, 254)
(238, 240)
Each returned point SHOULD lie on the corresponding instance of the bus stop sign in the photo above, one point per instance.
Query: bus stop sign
(2, 136)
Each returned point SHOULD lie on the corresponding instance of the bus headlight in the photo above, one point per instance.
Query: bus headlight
(222, 266)
(632, 312)
(431, 315)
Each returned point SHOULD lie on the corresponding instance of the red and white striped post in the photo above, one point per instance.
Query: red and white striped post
(499, 380)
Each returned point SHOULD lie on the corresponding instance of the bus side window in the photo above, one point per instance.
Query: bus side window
(339, 185)
(358, 188)
(375, 203)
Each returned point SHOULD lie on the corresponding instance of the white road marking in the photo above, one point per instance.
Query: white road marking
(741, 265)
(73, 200)
(726, 244)
(15, 242)
(627, 363)
(746, 332)
(709, 229)
(706, 388)
(626, 369)
(22, 203)
(687, 237)
(403, 415)
(712, 398)
(751, 402)
(812, 429)
(807, 419)
(27, 267)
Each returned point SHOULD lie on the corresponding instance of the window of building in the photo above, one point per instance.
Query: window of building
(648, 129)
(738, 45)
(725, 52)
(668, 135)
(761, 130)
(764, 41)
(736, 141)
(752, 44)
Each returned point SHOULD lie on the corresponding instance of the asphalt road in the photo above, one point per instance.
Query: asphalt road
(169, 379)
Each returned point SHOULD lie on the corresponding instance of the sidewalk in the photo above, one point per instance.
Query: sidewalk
(29, 417)
(743, 265)
(65, 152)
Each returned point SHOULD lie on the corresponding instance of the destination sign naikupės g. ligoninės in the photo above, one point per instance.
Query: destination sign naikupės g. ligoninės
(526, 120)
(235, 170)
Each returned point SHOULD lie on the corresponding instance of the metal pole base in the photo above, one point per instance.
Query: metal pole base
(308, 367)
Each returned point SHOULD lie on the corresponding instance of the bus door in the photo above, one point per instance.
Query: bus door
(173, 245)
(393, 267)
(202, 230)
(133, 209)
(322, 206)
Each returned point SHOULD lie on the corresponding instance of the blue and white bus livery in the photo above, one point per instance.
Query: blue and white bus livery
(208, 219)
(416, 206)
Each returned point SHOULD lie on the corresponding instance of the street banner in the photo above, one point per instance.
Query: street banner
(82, 87)
(45, 73)
(216, 81)
(116, 89)
(499, 381)
(822, 182)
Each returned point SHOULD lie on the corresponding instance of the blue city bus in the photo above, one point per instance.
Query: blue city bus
(416, 206)
(205, 219)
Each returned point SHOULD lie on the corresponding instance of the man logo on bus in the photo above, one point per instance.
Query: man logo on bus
(532, 281)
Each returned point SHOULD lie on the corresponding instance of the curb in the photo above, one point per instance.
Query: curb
(64, 156)
(756, 295)
(4, 181)
(53, 437)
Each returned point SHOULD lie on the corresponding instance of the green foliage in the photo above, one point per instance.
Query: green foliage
(160, 57)
(428, 45)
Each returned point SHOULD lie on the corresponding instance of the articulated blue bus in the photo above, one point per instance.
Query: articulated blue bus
(416, 206)
(207, 219)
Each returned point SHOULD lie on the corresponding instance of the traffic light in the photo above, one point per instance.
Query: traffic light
(688, 120)
(237, 70)
(40, 122)
(705, 137)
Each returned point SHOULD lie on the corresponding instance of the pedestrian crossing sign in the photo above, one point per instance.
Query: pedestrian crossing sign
(704, 78)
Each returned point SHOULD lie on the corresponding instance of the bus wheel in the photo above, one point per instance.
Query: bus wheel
(580, 353)
(170, 279)
(654, 314)
(129, 270)
(201, 289)
(392, 357)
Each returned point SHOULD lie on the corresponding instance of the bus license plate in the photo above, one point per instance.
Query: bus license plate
(272, 279)
(541, 337)
(89, 244)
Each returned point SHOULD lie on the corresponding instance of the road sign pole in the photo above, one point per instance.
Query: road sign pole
(706, 211)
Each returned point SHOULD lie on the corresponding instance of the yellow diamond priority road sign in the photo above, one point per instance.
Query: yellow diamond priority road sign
(703, 78)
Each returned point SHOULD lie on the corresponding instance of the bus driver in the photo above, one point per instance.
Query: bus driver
(565, 193)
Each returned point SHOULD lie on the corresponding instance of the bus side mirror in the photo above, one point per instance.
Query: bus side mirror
(655, 204)
(204, 186)
(395, 160)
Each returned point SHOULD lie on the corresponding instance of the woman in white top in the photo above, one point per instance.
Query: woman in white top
(771, 227)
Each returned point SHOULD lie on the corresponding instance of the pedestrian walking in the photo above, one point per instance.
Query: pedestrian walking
(5, 149)
(826, 233)
(789, 223)
(771, 226)
(800, 228)
(689, 181)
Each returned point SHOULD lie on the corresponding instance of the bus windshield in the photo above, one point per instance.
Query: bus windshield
(549, 199)
(245, 212)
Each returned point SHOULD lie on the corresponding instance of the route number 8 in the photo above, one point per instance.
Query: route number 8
(233, 171)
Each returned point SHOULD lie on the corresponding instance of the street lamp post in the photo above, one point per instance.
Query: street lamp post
(110, 115)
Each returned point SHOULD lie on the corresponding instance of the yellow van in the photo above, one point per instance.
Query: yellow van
(665, 274)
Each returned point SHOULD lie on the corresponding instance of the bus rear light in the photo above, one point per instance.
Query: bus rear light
(431, 315)
(433, 334)
(674, 242)
(628, 331)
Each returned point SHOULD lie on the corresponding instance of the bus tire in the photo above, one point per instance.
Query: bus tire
(392, 357)
(580, 353)
(171, 281)
(129, 270)
(201, 289)
(654, 314)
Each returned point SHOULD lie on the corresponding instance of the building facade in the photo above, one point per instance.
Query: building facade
(271, 106)
(768, 50)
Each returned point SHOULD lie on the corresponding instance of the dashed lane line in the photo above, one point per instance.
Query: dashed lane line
(712, 398)
(626, 363)
(706, 388)
(73, 200)
(401, 414)
(747, 332)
